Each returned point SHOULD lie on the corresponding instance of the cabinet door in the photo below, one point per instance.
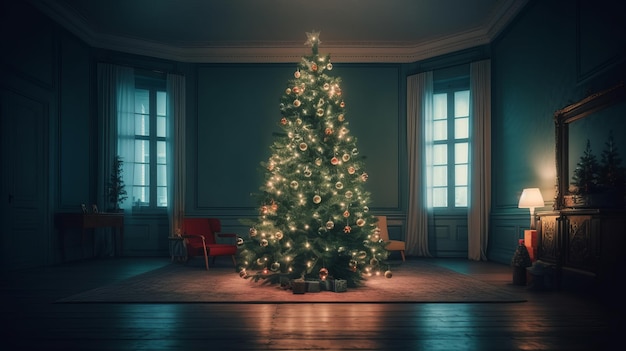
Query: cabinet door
(548, 238)
(582, 238)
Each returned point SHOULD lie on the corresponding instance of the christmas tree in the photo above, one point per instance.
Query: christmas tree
(612, 176)
(314, 220)
(585, 178)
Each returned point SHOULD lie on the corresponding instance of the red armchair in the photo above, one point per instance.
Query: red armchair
(200, 239)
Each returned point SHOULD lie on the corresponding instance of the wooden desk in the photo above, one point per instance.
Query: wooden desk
(84, 221)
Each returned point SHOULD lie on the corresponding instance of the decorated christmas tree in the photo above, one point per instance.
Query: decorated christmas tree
(314, 221)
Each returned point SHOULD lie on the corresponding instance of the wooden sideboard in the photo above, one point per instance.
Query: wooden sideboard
(587, 242)
(88, 221)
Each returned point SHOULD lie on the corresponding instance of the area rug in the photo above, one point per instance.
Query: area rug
(413, 281)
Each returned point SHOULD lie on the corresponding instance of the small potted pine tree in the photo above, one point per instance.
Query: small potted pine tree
(116, 188)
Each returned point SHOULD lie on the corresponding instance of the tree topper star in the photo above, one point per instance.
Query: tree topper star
(313, 38)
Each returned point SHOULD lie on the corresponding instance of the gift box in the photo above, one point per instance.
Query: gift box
(339, 285)
(312, 286)
(532, 252)
(285, 281)
(325, 285)
(298, 286)
(531, 241)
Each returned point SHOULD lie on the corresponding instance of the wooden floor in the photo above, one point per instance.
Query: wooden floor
(549, 320)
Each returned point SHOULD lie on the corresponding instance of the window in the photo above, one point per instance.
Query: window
(450, 148)
(149, 190)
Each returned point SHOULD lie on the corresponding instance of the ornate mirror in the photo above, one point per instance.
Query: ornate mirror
(585, 126)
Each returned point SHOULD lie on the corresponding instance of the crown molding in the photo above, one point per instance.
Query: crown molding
(287, 52)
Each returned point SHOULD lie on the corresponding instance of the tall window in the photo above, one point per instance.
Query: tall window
(450, 149)
(150, 166)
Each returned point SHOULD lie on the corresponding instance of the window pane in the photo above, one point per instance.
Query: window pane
(440, 106)
(440, 175)
(440, 197)
(461, 128)
(161, 175)
(461, 103)
(460, 175)
(440, 154)
(142, 110)
(162, 196)
(141, 196)
(461, 153)
(460, 196)
(440, 130)
(142, 151)
(161, 152)
(161, 120)
(142, 174)
(161, 103)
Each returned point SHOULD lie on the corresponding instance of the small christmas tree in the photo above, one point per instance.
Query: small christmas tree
(611, 175)
(314, 219)
(585, 178)
(116, 191)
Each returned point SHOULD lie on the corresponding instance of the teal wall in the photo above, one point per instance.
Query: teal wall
(554, 54)
(238, 114)
(550, 56)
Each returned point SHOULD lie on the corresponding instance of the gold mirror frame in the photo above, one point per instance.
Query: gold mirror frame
(562, 118)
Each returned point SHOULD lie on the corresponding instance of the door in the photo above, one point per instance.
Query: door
(24, 240)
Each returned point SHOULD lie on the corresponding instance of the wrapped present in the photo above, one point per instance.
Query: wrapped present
(326, 285)
(298, 286)
(285, 281)
(531, 238)
(312, 286)
(339, 285)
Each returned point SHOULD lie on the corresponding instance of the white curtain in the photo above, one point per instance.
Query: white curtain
(480, 160)
(419, 105)
(115, 95)
(176, 151)
(126, 130)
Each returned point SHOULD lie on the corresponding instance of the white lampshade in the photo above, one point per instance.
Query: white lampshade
(531, 198)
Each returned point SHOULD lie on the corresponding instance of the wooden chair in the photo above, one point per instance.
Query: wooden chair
(200, 236)
(392, 245)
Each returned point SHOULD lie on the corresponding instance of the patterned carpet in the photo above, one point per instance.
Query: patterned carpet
(413, 281)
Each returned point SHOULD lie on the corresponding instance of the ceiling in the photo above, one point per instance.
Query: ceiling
(274, 30)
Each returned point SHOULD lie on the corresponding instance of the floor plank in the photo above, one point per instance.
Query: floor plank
(549, 320)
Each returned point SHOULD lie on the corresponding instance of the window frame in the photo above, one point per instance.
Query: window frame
(450, 87)
(153, 85)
